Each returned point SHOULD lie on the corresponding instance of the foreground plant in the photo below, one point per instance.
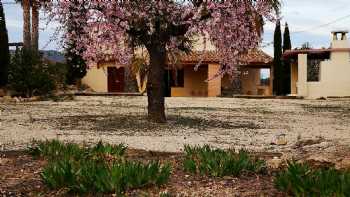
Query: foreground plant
(91, 176)
(219, 163)
(302, 180)
(54, 149)
(97, 169)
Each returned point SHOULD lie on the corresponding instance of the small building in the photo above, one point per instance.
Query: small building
(321, 73)
(184, 81)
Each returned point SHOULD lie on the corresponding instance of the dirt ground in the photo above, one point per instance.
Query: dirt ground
(312, 130)
(20, 176)
(306, 126)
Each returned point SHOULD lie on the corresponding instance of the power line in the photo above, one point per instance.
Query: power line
(322, 25)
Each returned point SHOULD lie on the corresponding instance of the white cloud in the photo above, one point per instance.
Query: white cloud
(308, 16)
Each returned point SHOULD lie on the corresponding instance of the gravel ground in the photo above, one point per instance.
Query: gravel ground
(254, 124)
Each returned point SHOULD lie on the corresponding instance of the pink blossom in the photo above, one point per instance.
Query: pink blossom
(115, 27)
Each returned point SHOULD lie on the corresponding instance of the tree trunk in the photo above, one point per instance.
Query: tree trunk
(26, 24)
(35, 27)
(237, 82)
(155, 84)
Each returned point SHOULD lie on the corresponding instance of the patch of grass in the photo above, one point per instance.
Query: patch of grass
(218, 163)
(54, 149)
(97, 169)
(301, 180)
(89, 176)
(107, 151)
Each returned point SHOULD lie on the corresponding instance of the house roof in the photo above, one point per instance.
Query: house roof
(255, 56)
(290, 54)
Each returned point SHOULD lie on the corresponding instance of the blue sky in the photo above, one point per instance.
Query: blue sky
(301, 15)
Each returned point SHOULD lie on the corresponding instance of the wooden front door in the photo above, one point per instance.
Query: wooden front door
(115, 79)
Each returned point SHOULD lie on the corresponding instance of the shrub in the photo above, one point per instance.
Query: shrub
(58, 72)
(55, 150)
(29, 75)
(301, 180)
(92, 176)
(96, 169)
(107, 150)
(219, 163)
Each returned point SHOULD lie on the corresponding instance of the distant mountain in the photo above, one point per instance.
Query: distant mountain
(54, 56)
(51, 55)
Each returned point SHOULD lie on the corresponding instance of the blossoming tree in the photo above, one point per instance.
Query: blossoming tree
(164, 27)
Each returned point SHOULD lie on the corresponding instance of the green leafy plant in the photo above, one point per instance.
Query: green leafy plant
(219, 163)
(54, 149)
(107, 150)
(97, 169)
(91, 176)
(301, 180)
(59, 173)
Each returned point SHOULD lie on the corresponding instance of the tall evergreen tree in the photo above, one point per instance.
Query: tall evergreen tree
(4, 49)
(277, 61)
(287, 45)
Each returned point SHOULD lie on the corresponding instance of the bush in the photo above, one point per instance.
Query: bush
(301, 180)
(56, 150)
(29, 75)
(106, 150)
(97, 169)
(97, 176)
(219, 163)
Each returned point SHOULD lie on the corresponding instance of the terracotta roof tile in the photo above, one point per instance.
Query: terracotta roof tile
(253, 57)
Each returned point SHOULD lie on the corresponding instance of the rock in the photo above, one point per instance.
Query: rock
(17, 100)
(308, 142)
(227, 178)
(7, 99)
(3, 161)
(343, 164)
(280, 140)
(275, 163)
(320, 160)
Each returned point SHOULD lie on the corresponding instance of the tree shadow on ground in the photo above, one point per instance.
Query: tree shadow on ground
(139, 123)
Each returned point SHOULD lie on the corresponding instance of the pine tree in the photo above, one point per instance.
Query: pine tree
(287, 45)
(277, 61)
(4, 49)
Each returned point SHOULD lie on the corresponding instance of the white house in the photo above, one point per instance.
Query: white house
(317, 73)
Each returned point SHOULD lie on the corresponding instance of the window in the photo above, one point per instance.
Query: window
(313, 69)
(264, 77)
(177, 78)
